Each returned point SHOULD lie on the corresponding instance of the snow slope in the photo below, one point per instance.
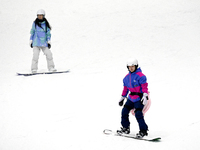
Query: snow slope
(94, 40)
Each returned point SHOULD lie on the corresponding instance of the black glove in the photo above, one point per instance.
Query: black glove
(49, 45)
(121, 101)
(31, 43)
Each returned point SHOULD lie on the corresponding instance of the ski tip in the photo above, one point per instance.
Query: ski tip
(156, 139)
(107, 131)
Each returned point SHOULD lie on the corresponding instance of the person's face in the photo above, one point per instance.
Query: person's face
(131, 68)
(40, 17)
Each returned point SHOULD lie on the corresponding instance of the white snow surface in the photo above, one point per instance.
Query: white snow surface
(94, 38)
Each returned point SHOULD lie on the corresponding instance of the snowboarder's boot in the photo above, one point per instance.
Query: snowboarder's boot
(34, 71)
(124, 130)
(52, 70)
(141, 134)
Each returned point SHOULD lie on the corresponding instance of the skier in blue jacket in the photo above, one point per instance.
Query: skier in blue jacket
(40, 39)
(136, 87)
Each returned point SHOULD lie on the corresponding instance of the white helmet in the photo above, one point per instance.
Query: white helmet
(132, 62)
(41, 12)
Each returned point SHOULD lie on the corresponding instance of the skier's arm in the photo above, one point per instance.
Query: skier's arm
(144, 84)
(32, 32)
(48, 35)
(125, 91)
(124, 94)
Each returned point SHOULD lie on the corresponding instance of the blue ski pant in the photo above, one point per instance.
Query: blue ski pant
(138, 115)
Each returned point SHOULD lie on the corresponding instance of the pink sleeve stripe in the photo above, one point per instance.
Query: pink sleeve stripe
(144, 87)
(140, 74)
(125, 90)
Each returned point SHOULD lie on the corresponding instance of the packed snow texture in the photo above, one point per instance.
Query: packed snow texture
(94, 38)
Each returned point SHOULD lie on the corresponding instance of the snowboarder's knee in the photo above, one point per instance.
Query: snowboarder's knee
(138, 113)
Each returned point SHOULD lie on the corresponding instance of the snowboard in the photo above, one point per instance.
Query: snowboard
(40, 73)
(110, 132)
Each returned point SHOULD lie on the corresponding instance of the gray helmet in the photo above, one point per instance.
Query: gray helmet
(41, 12)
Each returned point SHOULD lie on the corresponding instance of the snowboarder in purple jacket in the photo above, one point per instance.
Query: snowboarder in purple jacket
(136, 87)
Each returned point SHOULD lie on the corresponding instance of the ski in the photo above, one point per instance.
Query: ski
(40, 73)
(110, 132)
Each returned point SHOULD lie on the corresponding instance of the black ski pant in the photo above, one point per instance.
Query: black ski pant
(138, 115)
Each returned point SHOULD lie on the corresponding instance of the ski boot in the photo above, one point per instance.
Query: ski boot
(52, 70)
(141, 134)
(34, 71)
(124, 130)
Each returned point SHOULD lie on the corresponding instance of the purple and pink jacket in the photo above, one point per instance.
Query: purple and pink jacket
(135, 82)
